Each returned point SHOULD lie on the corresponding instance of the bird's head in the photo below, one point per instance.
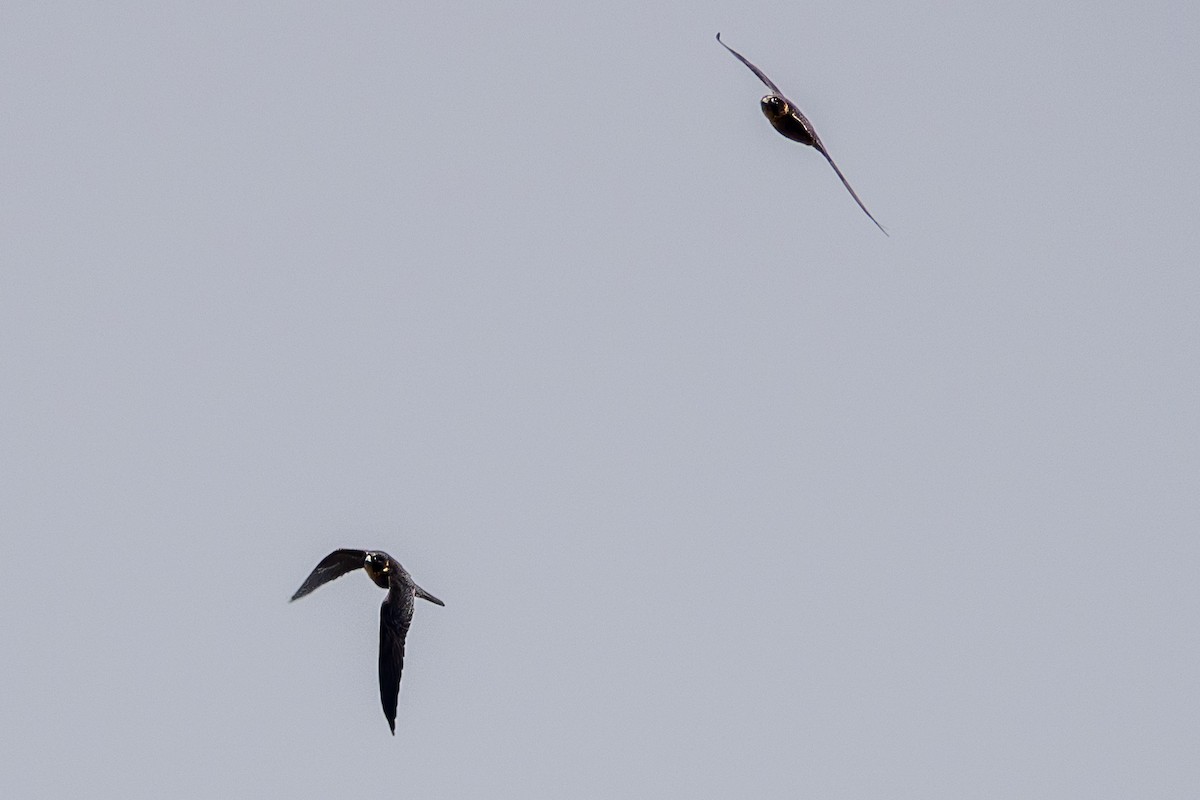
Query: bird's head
(775, 107)
(377, 568)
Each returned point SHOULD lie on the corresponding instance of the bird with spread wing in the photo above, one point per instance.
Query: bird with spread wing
(786, 118)
(395, 615)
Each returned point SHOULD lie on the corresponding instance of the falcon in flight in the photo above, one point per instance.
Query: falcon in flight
(788, 120)
(394, 616)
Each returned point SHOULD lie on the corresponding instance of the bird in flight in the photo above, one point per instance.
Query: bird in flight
(395, 615)
(788, 120)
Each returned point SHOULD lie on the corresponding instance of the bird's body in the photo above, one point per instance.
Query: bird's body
(395, 615)
(788, 121)
(786, 118)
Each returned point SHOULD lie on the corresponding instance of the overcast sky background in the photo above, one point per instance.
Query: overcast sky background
(727, 493)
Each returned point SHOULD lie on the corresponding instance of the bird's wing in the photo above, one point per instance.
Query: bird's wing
(761, 75)
(394, 619)
(334, 565)
(424, 595)
(821, 148)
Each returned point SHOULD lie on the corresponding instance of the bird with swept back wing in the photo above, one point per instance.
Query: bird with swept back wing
(395, 615)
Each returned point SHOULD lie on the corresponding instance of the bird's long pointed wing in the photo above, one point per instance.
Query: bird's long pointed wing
(394, 619)
(761, 75)
(424, 595)
(821, 149)
(334, 565)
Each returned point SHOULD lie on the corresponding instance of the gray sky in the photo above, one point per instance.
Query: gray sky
(727, 493)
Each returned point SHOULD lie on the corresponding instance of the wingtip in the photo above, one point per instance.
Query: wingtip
(424, 595)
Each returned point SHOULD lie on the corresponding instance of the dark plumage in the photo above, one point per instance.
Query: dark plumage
(788, 120)
(395, 615)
